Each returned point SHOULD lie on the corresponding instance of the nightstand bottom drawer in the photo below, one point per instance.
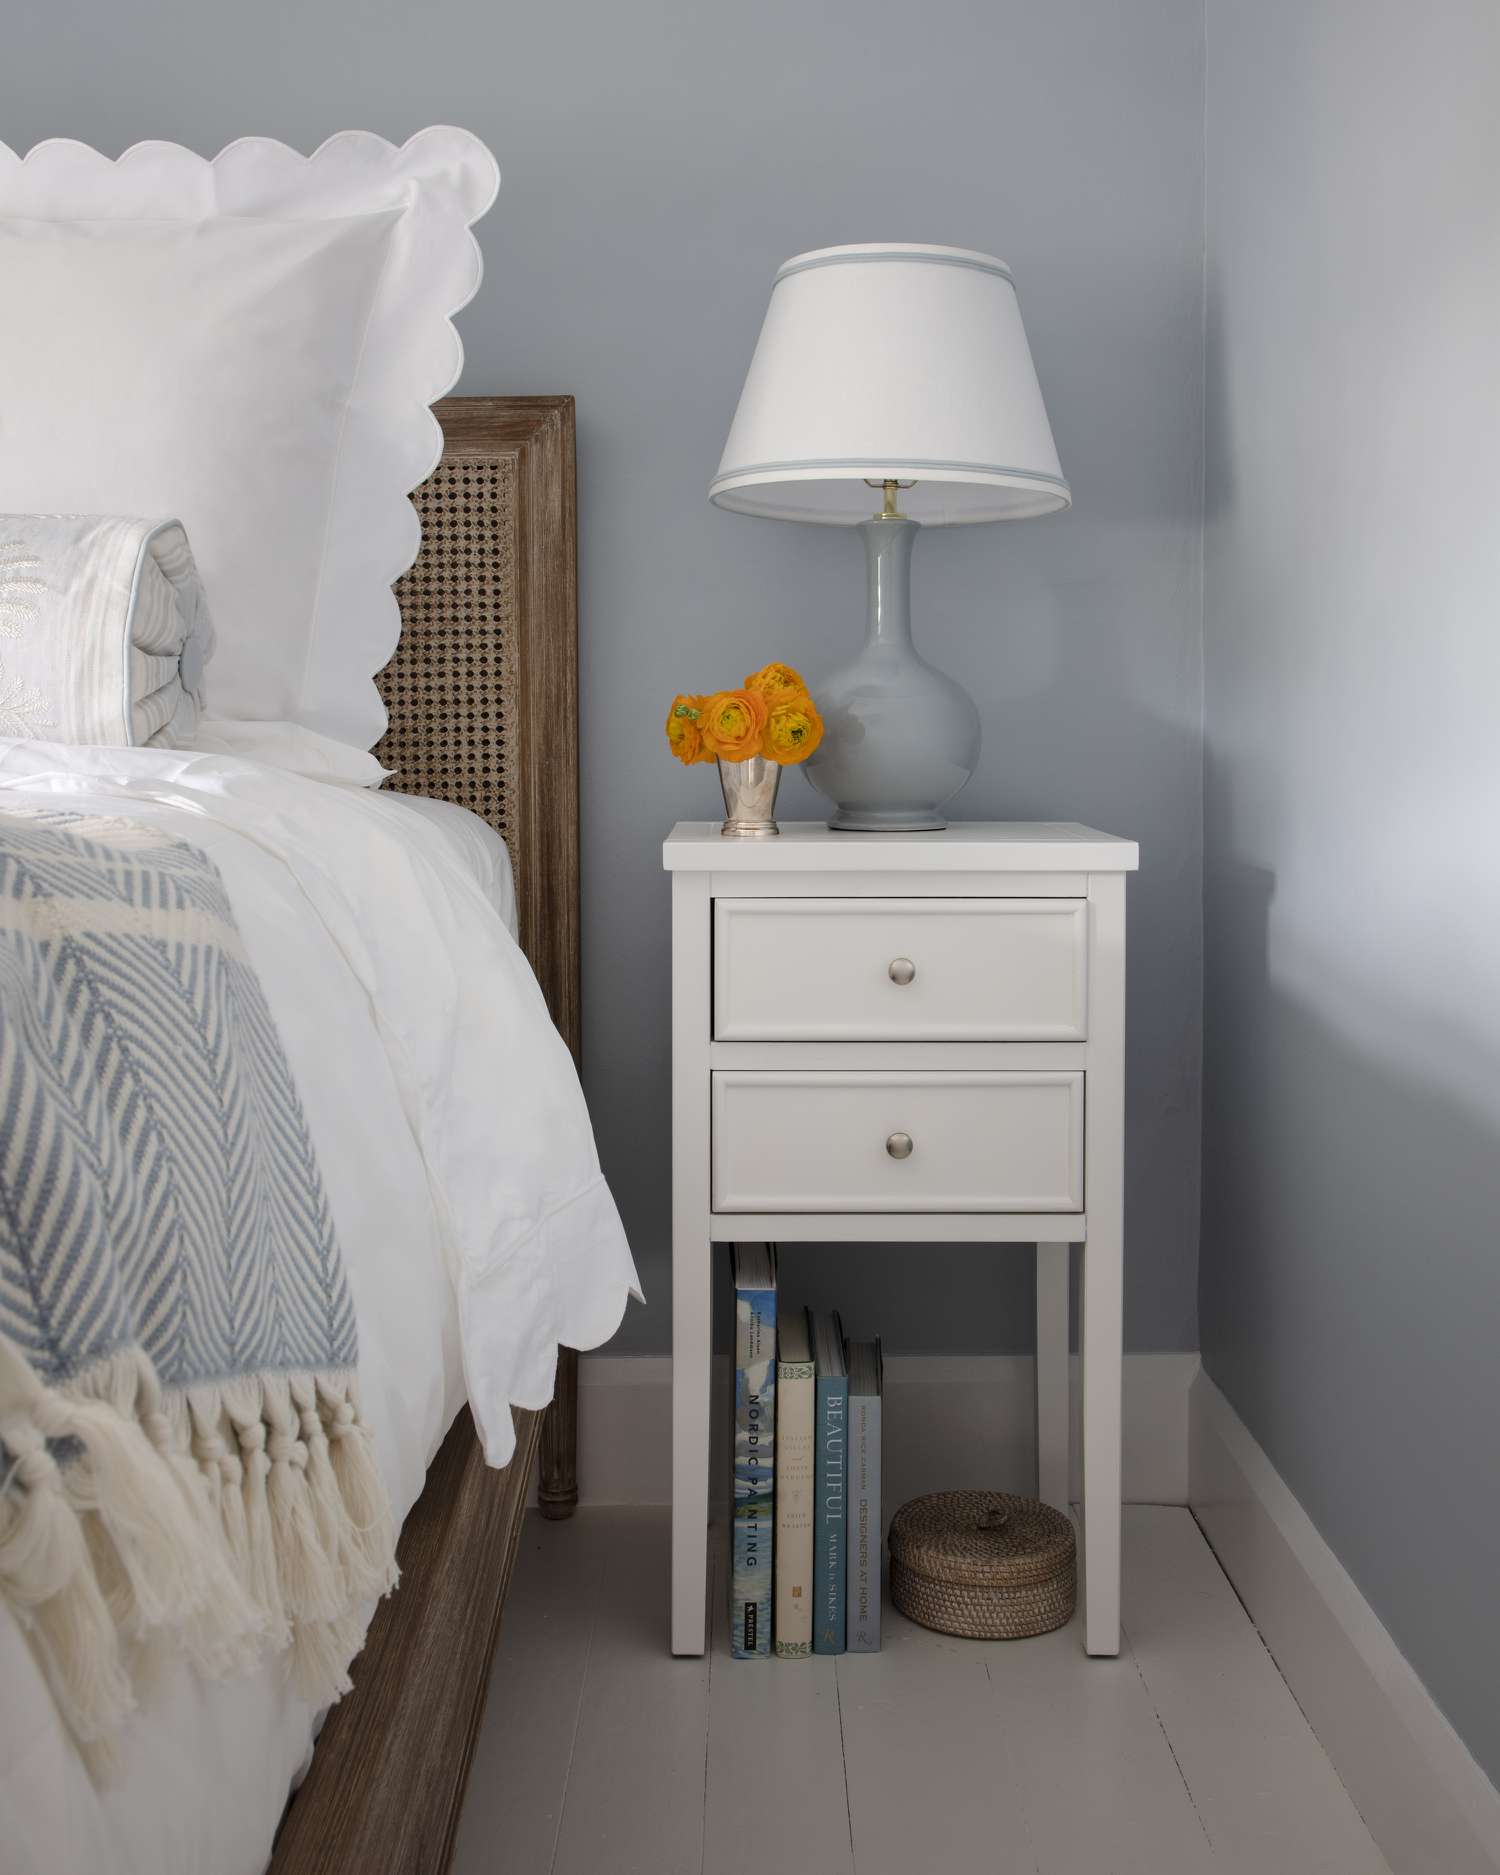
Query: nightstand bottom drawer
(895, 1141)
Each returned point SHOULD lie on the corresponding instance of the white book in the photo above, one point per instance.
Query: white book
(795, 1389)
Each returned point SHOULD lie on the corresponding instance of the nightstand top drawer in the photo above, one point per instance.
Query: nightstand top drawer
(853, 1141)
(966, 846)
(900, 969)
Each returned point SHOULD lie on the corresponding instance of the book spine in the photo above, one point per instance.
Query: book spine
(830, 1514)
(794, 1508)
(754, 1471)
(864, 1530)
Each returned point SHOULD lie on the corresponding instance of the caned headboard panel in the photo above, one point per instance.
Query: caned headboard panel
(483, 689)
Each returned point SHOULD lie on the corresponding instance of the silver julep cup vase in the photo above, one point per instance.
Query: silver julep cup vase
(749, 798)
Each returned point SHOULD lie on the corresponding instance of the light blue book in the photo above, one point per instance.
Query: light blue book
(753, 1579)
(865, 1547)
(831, 1483)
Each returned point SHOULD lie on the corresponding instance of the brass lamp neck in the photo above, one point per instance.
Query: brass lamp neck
(890, 489)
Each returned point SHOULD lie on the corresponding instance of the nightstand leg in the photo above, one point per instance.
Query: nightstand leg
(1101, 1441)
(692, 1259)
(1052, 1375)
(1103, 1264)
(692, 1263)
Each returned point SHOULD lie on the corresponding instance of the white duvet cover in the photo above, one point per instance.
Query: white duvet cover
(478, 845)
(476, 1229)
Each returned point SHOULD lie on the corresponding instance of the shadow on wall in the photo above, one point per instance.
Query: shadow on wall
(1350, 1232)
(980, 1298)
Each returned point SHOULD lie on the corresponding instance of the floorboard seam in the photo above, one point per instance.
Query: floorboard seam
(583, 1681)
(838, 1700)
(1291, 1690)
(1167, 1741)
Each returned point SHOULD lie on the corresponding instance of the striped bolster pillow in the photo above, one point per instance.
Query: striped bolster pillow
(104, 630)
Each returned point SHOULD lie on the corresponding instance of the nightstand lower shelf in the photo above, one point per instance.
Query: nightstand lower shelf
(1100, 1365)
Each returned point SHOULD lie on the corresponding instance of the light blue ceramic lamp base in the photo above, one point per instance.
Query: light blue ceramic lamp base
(899, 738)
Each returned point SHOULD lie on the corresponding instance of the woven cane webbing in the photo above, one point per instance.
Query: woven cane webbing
(451, 688)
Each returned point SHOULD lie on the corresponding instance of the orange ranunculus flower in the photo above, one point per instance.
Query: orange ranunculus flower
(733, 724)
(685, 731)
(776, 683)
(793, 730)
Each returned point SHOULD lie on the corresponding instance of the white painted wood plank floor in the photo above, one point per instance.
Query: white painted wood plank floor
(600, 1753)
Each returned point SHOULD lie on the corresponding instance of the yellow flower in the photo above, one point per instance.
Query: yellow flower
(776, 683)
(684, 731)
(793, 730)
(733, 723)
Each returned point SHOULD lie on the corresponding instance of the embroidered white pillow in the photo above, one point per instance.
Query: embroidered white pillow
(251, 344)
(104, 630)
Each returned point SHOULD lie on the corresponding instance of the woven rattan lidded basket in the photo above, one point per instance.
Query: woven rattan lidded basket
(983, 1565)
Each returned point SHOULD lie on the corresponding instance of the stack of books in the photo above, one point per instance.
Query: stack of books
(807, 1515)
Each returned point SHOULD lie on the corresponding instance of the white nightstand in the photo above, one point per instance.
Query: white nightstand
(904, 1038)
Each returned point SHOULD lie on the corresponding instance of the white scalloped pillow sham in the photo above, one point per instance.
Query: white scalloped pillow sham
(252, 344)
(290, 747)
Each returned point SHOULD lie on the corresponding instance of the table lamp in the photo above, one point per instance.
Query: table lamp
(905, 370)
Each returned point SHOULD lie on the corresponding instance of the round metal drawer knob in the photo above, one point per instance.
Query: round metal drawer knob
(902, 970)
(899, 1145)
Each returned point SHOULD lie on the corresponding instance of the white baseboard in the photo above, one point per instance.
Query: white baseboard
(1429, 1806)
(952, 1421)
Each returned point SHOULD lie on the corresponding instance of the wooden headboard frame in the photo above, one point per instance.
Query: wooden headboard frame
(482, 696)
(483, 689)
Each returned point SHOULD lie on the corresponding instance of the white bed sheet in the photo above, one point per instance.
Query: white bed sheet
(476, 1231)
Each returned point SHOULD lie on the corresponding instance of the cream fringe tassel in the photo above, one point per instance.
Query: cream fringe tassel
(235, 1521)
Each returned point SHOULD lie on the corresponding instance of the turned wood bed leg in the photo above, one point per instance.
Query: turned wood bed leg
(557, 1484)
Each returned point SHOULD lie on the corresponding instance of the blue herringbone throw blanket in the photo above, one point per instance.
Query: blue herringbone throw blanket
(181, 1454)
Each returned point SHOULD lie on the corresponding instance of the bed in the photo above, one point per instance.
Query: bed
(487, 653)
(480, 1241)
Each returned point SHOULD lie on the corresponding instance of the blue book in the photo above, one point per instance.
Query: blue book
(753, 1580)
(831, 1484)
(865, 1548)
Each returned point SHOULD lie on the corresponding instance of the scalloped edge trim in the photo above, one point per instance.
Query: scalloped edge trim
(43, 152)
(372, 622)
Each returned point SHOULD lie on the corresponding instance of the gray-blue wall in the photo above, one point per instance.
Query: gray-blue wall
(660, 159)
(1351, 1281)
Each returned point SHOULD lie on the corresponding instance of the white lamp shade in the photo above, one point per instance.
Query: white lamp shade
(892, 362)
